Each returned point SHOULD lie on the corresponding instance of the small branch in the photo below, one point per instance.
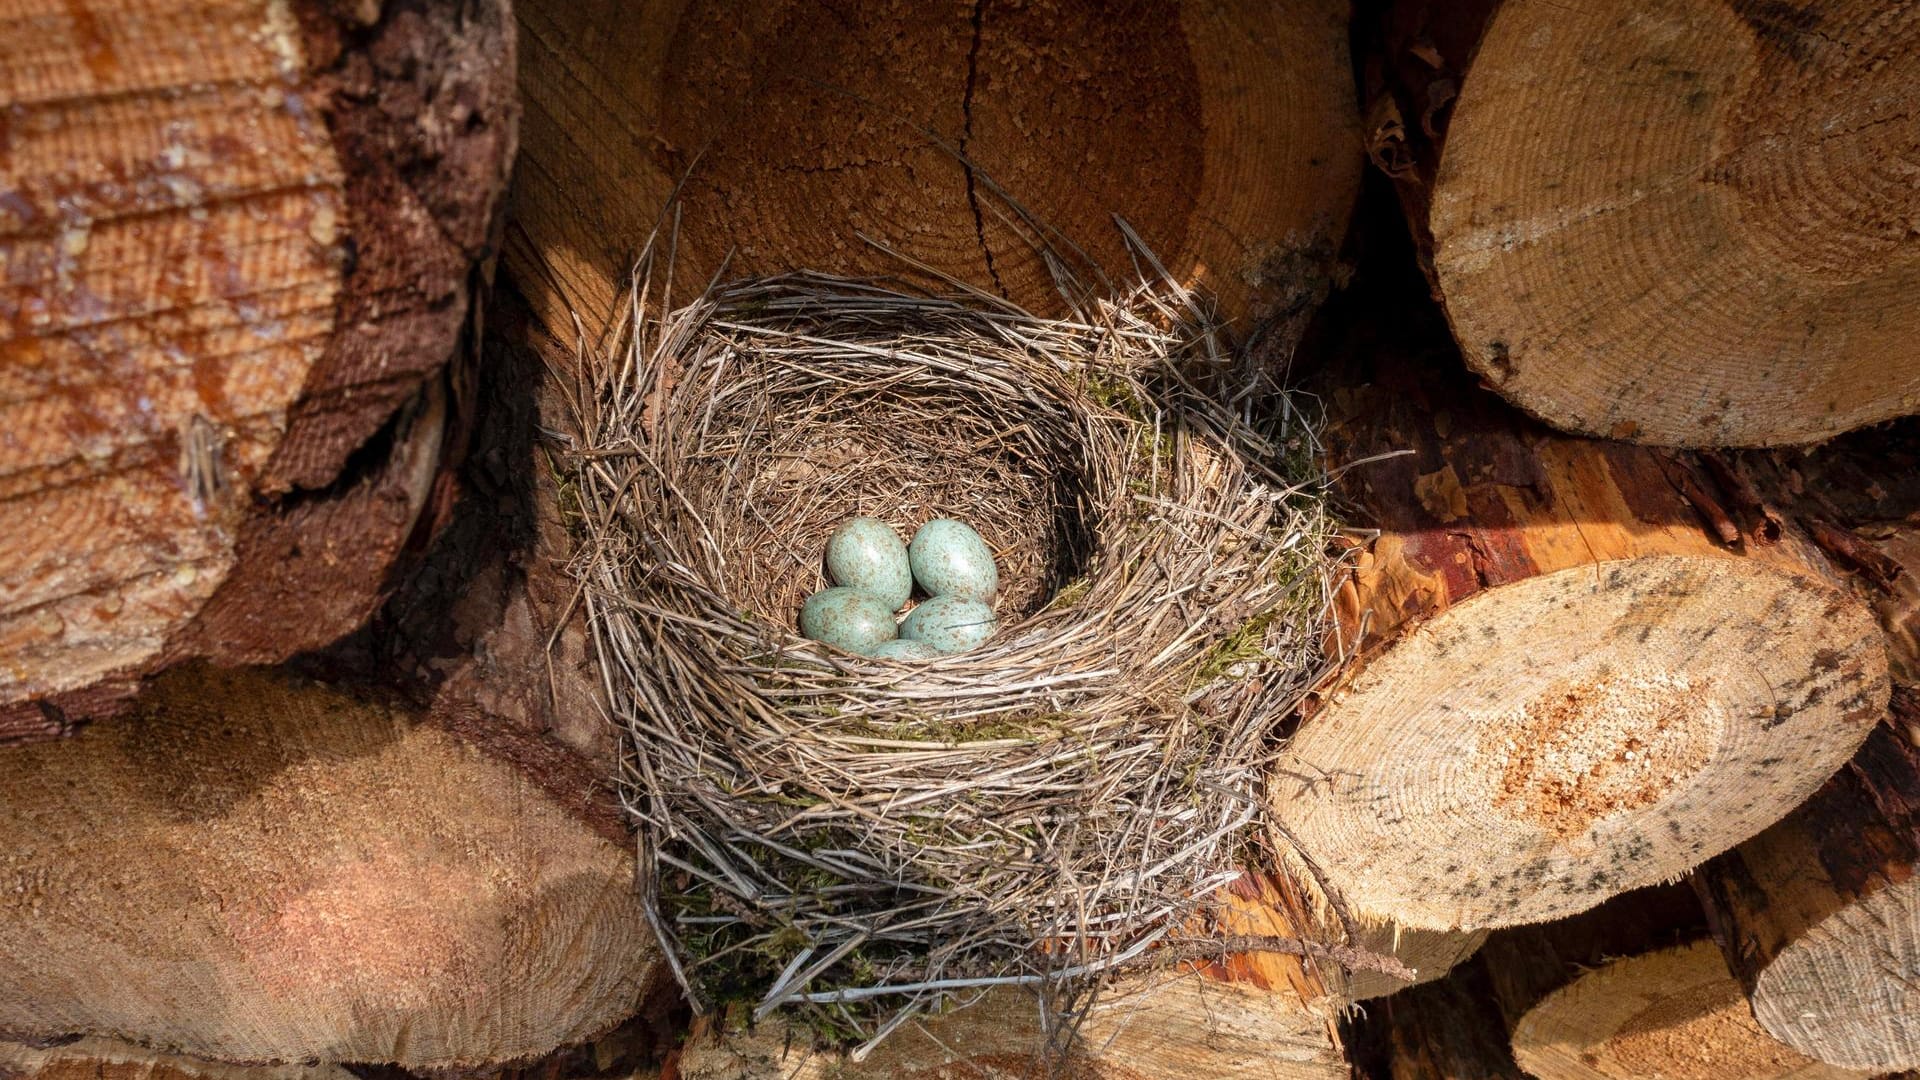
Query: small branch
(1705, 504)
(1346, 956)
(1849, 548)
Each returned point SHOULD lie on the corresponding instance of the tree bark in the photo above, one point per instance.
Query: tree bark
(1577, 675)
(238, 241)
(1674, 223)
(1285, 905)
(1224, 131)
(248, 868)
(1431, 954)
(1446, 1029)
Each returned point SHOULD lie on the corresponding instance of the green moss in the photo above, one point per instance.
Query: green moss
(1069, 594)
(1116, 394)
(1246, 643)
(566, 486)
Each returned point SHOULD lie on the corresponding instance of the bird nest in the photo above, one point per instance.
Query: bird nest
(867, 838)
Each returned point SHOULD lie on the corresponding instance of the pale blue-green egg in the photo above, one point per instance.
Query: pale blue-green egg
(849, 619)
(866, 554)
(950, 559)
(902, 649)
(950, 623)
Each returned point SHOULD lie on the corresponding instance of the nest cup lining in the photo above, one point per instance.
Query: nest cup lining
(799, 455)
(863, 839)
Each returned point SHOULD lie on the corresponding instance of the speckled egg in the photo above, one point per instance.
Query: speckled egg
(950, 624)
(866, 554)
(849, 619)
(902, 649)
(950, 559)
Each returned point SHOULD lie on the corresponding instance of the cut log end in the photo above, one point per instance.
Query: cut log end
(1430, 954)
(321, 878)
(236, 238)
(1675, 1013)
(1846, 991)
(1820, 914)
(172, 204)
(1688, 223)
(1546, 744)
(1223, 131)
(1163, 1027)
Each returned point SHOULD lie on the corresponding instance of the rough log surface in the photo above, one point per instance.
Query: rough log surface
(110, 1059)
(1161, 1028)
(484, 632)
(1820, 915)
(1633, 988)
(1685, 223)
(1224, 131)
(250, 869)
(1277, 905)
(237, 239)
(1527, 963)
(1430, 953)
(1569, 660)
(1675, 1013)
(1817, 915)
(1448, 1028)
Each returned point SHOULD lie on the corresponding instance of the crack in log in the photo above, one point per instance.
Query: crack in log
(966, 134)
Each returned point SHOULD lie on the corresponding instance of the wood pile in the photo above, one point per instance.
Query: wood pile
(304, 763)
(1632, 988)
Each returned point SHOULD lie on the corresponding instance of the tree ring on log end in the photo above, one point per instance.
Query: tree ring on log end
(172, 229)
(1676, 1013)
(1689, 222)
(1849, 988)
(1546, 744)
(1224, 131)
(323, 879)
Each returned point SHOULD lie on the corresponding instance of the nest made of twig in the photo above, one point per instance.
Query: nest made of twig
(866, 837)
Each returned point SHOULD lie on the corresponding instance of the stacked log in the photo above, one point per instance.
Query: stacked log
(237, 242)
(1818, 915)
(1569, 659)
(1633, 990)
(1685, 223)
(1224, 131)
(248, 868)
(1802, 894)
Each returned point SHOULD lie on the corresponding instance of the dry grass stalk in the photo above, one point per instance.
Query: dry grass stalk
(870, 838)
